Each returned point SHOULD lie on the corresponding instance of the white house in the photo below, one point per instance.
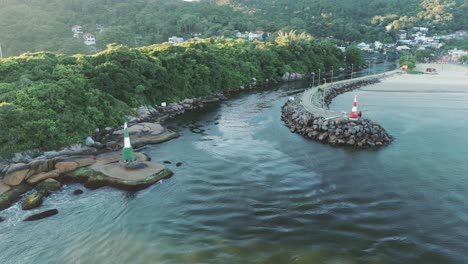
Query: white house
(175, 40)
(455, 54)
(378, 44)
(343, 49)
(403, 48)
(421, 29)
(89, 39)
(256, 35)
(363, 46)
(77, 31)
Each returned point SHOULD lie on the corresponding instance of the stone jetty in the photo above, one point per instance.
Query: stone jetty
(311, 118)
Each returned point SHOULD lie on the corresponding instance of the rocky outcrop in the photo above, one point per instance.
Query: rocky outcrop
(42, 215)
(108, 172)
(33, 200)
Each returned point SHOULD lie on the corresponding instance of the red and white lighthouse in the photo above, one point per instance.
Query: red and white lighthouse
(354, 115)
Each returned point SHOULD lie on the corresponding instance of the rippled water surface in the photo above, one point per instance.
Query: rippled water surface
(249, 191)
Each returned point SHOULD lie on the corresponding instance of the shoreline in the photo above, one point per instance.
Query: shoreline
(78, 163)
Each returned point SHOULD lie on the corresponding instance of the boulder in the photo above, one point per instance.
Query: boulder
(112, 145)
(16, 174)
(89, 141)
(41, 215)
(51, 154)
(4, 187)
(37, 166)
(12, 195)
(77, 192)
(66, 166)
(42, 176)
(33, 200)
(48, 186)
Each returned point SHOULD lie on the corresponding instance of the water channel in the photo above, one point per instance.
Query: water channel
(249, 191)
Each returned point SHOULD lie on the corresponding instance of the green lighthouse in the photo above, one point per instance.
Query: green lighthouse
(128, 156)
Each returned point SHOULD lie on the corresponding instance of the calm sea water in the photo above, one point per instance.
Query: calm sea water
(249, 191)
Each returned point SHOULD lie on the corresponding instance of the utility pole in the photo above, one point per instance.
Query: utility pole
(1, 53)
(319, 78)
(332, 77)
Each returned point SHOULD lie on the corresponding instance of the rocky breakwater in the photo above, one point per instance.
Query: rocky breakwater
(333, 128)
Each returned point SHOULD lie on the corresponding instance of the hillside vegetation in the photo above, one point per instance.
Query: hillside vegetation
(45, 25)
(48, 101)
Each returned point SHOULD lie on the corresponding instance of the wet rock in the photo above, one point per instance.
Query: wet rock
(178, 164)
(33, 200)
(167, 162)
(12, 195)
(77, 192)
(48, 186)
(2, 219)
(42, 215)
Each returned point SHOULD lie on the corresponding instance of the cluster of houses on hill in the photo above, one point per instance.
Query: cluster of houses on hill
(88, 38)
(251, 36)
(417, 38)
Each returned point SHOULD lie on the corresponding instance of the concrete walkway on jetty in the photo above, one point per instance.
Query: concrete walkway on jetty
(312, 99)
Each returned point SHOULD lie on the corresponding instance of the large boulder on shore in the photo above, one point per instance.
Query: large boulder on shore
(33, 200)
(42, 176)
(38, 166)
(66, 166)
(16, 174)
(4, 187)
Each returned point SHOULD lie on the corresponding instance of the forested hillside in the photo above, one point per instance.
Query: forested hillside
(45, 25)
(49, 100)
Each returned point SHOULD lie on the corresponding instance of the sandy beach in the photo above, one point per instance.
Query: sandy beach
(449, 78)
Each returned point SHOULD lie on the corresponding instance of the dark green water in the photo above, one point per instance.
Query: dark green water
(249, 191)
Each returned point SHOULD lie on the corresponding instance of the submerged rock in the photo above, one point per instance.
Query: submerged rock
(41, 215)
(77, 192)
